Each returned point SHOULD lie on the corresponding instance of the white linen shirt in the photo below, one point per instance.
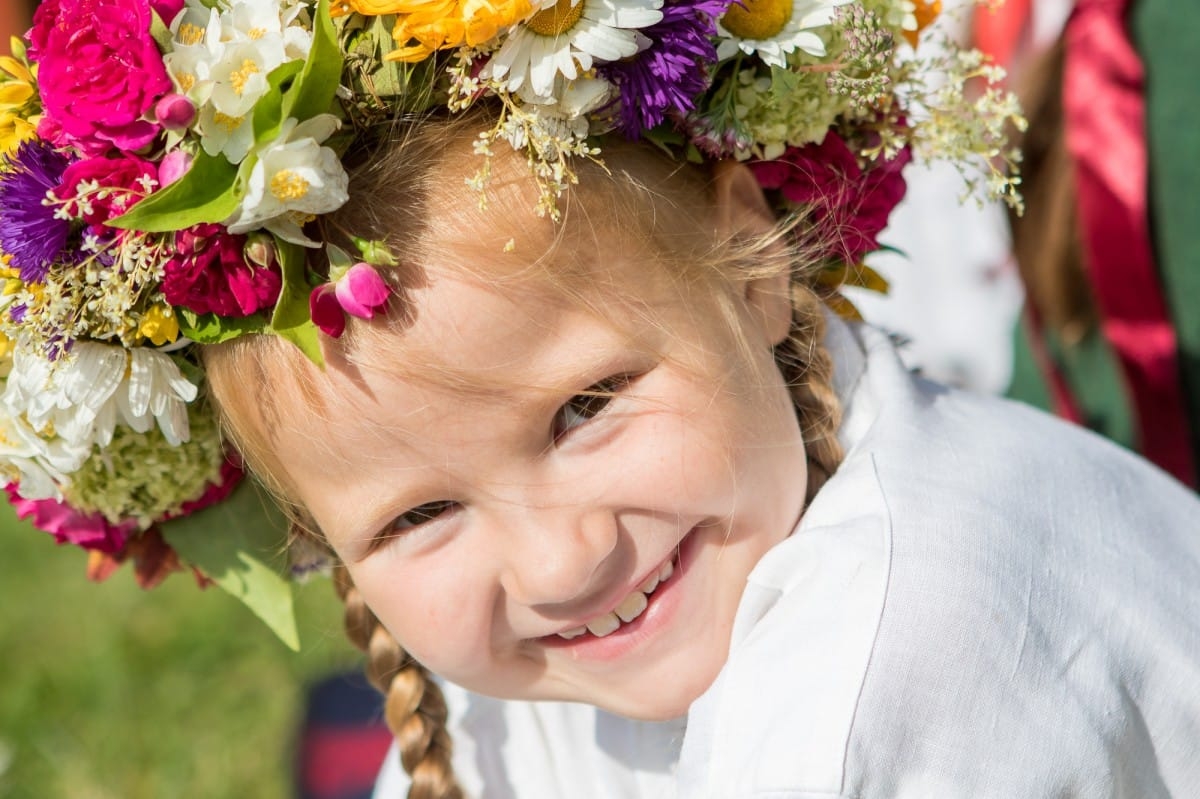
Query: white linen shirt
(982, 602)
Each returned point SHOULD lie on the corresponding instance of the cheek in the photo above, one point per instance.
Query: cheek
(428, 609)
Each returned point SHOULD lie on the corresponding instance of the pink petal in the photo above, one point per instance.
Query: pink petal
(174, 166)
(175, 112)
(325, 311)
(361, 291)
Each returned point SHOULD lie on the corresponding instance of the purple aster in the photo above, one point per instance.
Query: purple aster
(673, 71)
(29, 232)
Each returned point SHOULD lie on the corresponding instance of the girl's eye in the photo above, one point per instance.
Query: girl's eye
(582, 408)
(421, 514)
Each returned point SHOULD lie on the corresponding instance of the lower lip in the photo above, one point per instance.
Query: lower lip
(661, 609)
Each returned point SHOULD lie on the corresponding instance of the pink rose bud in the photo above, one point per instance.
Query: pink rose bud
(175, 112)
(174, 166)
(325, 311)
(361, 291)
(260, 250)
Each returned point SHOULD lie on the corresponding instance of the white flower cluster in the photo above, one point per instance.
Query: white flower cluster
(53, 413)
(221, 60)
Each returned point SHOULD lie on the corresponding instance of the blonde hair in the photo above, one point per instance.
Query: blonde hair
(660, 205)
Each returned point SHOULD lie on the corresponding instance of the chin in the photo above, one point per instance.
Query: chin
(663, 699)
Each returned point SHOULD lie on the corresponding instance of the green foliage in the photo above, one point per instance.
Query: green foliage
(207, 192)
(238, 543)
(291, 319)
(112, 692)
(212, 329)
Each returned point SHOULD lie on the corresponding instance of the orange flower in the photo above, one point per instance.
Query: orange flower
(425, 26)
(926, 11)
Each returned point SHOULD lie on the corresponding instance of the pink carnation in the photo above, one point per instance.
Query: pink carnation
(99, 71)
(128, 174)
(850, 207)
(69, 526)
(210, 273)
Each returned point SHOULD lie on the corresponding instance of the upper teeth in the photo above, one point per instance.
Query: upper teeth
(630, 608)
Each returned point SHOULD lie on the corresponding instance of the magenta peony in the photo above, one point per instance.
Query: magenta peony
(99, 71)
(123, 181)
(849, 206)
(210, 273)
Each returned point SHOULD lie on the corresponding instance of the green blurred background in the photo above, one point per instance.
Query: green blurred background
(112, 692)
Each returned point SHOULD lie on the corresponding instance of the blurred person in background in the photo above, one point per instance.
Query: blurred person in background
(1109, 246)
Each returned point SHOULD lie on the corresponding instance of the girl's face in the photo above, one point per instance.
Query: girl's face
(487, 528)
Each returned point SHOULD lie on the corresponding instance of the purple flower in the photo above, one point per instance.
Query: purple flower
(672, 72)
(29, 231)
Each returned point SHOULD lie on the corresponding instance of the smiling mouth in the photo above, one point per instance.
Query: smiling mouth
(630, 608)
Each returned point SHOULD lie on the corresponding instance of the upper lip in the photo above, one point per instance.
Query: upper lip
(614, 598)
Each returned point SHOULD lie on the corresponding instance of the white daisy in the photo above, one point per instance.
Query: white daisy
(40, 465)
(80, 398)
(564, 38)
(774, 28)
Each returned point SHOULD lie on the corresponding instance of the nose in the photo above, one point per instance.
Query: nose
(557, 556)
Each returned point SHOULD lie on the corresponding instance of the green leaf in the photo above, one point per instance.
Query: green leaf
(784, 83)
(268, 111)
(212, 329)
(291, 319)
(208, 192)
(239, 544)
(312, 93)
(160, 33)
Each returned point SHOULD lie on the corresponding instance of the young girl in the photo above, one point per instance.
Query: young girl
(659, 523)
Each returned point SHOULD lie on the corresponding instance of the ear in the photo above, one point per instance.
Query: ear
(742, 212)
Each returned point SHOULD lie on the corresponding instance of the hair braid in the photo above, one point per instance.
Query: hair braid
(808, 371)
(414, 706)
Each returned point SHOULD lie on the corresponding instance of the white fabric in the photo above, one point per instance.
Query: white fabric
(981, 603)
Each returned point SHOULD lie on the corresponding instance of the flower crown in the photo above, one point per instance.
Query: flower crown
(164, 161)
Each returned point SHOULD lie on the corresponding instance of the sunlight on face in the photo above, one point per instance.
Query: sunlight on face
(580, 524)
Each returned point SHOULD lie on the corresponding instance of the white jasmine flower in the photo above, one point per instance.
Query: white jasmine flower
(772, 29)
(564, 38)
(222, 59)
(293, 179)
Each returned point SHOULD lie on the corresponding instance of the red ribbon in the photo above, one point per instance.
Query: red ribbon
(1103, 100)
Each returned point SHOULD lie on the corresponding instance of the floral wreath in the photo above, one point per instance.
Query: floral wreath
(164, 160)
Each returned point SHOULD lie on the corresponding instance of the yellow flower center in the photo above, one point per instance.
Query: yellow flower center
(559, 17)
(256, 33)
(225, 122)
(186, 81)
(190, 34)
(757, 19)
(239, 76)
(286, 185)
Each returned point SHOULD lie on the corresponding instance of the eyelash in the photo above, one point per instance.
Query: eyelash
(582, 409)
(421, 514)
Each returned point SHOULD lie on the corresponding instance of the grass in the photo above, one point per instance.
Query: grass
(112, 692)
